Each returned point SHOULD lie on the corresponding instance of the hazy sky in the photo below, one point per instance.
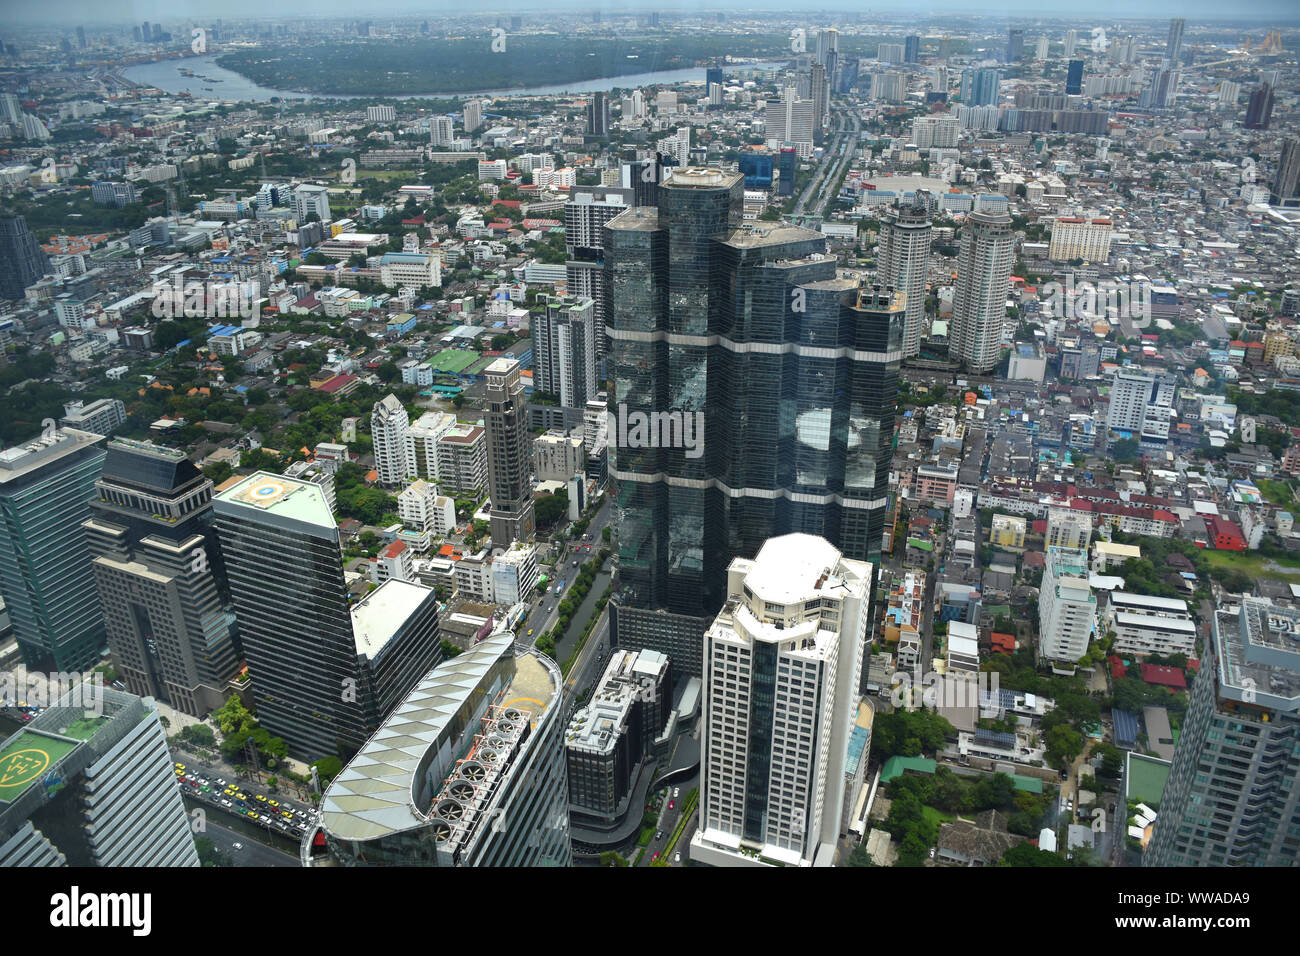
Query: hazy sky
(133, 11)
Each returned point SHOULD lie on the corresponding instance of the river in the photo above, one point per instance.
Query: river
(230, 86)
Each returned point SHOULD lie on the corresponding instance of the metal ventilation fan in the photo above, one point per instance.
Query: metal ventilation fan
(487, 756)
(472, 771)
(450, 810)
(512, 714)
(462, 791)
(441, 831)
(505, 726)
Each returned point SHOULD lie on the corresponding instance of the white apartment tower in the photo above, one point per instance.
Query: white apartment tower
(389, 428)
(1067, 528)
(980, 298)
(1067, 610)
(782, 662)
(1078, 238)
(903, 257)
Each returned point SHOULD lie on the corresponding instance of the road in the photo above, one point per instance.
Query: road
(834, 160)
(544, 607)
(240, 850)
(668, 820)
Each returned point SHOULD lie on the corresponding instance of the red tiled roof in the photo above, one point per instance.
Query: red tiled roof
(1163, 676)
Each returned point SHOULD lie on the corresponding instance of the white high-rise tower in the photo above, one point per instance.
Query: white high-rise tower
(782, 662)
(980, 298)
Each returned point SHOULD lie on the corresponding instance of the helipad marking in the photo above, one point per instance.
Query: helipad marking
(23, 766)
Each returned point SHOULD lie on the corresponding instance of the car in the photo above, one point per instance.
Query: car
(677, 792)
(228, 792)
(205, 789)
(530, 632)
(259, 798)
(240, 797)
(671, 804)
(677, 857)
(251, 813)
(222, 783)
(659, 835)
(226, 803)
(655, 857)
(181, 774)
(180, 767)
(237, 846)
(575, 562)
(287, 814)
(264, 818)
(274, 803)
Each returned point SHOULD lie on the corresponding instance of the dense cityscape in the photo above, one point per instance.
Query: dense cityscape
(620, 438)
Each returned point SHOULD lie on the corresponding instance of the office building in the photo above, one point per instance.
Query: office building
(980, 298)
(563, 334)
(1015, 45)
(1041, 47)
(783, 662)
(911, 49)
(790, 121)
(46, 485)
(890, 52)
(902, 260)
(1141, 407)
(508, 454)
(161, 577)
(1074, 78)
(598, 114)
(103, 416)
(324, 675)
(1071, 42)
(473, 115)
(1067, 610)
(787, 368)
(828, 44)
(394, 451)
(89, 782)
(1174, 47)
(609, 740)
(1077, 238)
(787, 164)
(1161, 90)
(1286, 182)
(1231, 798)
(1259, 109)
(310, 200)
(22, 261)
(558, 457)
(469, 770)
(441, 131)
(381, 114)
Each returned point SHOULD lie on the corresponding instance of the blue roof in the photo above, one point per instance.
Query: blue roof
(1126, 727)
(857, 745)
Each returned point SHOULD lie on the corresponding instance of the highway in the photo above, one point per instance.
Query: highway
(834, 161)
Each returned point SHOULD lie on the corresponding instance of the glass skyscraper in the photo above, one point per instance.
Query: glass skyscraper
(324, 675)
(789, 368)
(45, 489)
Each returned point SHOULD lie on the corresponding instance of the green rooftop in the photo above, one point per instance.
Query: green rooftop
(453, 360)
(896, 766)
(1146, 778)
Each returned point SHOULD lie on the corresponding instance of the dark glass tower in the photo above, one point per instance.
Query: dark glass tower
(22, 261)
(1074, 78)
(161, 578)
(324, 675)
(1259, 111)
(793, 368)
